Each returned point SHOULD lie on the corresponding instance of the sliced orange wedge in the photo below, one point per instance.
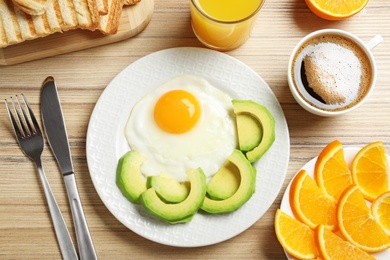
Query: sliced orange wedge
(331, 171)
(380, 209)
(331, 246)
(336, 9)
(357, 224)
(370, 170)
(294, 236)
(310, 204)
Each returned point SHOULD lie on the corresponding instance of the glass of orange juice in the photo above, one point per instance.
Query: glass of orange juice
(224, 24)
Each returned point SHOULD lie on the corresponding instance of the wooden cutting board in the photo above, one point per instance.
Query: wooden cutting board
(133, 20)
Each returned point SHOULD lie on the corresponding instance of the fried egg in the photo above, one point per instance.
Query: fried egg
(182, 124)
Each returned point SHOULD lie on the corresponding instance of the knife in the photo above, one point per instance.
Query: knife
(54, 124)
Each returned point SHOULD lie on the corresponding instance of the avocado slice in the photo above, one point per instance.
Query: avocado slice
(244, 191)
(128, 176)
(178, 212)
(168, 189)
(265, 119)
(225, 182)
(250, 131)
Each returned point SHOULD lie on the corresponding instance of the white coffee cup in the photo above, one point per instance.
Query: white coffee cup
(310, 103)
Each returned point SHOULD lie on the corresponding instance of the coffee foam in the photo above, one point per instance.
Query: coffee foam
(339, 72)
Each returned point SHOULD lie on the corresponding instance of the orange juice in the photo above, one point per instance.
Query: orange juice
(224, 24)
(229, 10)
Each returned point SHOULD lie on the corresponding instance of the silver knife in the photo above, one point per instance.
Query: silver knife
(54, 124)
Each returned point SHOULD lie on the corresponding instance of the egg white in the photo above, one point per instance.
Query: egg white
(207, 145)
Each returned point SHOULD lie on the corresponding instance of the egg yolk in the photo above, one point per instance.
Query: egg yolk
(177, 111)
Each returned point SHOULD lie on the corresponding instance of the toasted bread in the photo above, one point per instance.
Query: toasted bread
(17, 26)
(131, 2)
(32, 7)
(87, 14)
(102, 6)
(61, 15)
(109, 22)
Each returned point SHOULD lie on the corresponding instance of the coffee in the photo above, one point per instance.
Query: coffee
(331, 72)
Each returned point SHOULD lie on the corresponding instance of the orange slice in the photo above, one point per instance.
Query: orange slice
(380, 209)
(332, 246)
(356, 223)
(331, 171)
(310, 204)
(370, 170)
(294, 236)
(336, 9)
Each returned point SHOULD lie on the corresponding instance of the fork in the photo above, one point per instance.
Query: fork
(30, 139)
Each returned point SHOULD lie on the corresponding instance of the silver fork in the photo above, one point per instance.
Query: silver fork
(30, 139)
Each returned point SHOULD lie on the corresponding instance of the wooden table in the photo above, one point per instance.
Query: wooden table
(25, 227)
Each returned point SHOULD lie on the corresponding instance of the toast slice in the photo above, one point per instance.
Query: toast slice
(131, 2)
(102, 6)
(87, 14)
(109, 22)
(32, 7)
(61, 15)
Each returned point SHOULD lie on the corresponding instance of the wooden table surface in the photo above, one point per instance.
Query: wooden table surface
(26, 231)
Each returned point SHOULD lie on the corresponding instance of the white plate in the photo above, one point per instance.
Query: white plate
(349, 154)
(106, 143)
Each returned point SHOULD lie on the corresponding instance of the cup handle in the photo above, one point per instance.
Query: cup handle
(374, 41)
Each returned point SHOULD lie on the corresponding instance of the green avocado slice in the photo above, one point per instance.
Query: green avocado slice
(244, 191)
(225, 182)
(248, 138)
(128, 176)
(168, 189)
(250, 131)
(178, 212)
